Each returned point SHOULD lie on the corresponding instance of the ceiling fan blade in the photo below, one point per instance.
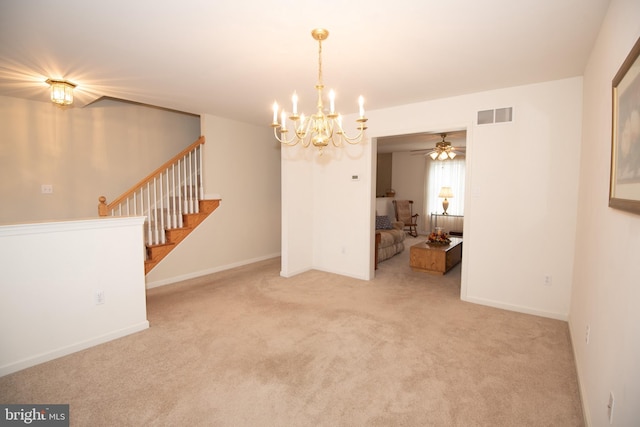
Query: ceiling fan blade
(424, 151)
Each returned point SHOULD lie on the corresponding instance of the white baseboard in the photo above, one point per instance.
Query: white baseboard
(289, 274)
(66, 350)
(212, 270)
(517, 308)
(581, 389)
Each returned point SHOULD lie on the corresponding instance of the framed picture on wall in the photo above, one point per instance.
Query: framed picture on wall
(624, 189)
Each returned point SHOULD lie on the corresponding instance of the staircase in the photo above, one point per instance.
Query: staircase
(172, 200)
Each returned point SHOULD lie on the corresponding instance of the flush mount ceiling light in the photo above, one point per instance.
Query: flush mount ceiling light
(61, 91)
(319, 128)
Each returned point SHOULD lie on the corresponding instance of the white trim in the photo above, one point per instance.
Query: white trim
(294, 273)
(71, 225)
(581, 376)
(69, 349)
(517, 308)
(201, 273)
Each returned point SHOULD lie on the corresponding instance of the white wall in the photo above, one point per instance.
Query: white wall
(242, 167)
(332, 211)
(606, 285)
(101, 149)
(48, 282)
(533, 218)
(297, 221)
(408, 179)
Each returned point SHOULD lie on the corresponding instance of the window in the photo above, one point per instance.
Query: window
(448, 173)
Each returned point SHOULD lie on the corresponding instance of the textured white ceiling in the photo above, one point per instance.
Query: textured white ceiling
(233, 58)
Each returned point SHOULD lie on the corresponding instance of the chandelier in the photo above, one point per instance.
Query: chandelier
(61, 92)
(322, 127)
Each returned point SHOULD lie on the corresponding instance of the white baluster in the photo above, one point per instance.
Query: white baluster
(200, 172)
(161, 230)
(167, 214)
(149, 234)
(179, 186)
(156, 234)
(196, 191)
(174, 219)
(184, 184)
(190, 185)
(168, 197)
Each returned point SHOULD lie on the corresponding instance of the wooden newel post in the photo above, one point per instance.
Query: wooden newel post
(102, 206)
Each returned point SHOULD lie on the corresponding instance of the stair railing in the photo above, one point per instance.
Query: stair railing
(172, 190)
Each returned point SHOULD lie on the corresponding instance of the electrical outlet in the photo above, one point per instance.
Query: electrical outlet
(548, 280)
(46, 189)
(587, 333)
(99, 297)
(610, 407)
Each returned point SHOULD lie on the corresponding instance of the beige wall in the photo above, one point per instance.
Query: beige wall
(101, 149)
(383, 175)
(409, 182)
(106, 147)
(242, 167)
(606, 285)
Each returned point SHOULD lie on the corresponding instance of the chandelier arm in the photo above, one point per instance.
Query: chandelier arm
(355, 139)
(283, 140)
(304, 135)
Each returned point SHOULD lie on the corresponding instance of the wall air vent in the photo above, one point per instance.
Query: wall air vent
(499, 115)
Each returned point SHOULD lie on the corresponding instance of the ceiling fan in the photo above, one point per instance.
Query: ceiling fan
(442, 151)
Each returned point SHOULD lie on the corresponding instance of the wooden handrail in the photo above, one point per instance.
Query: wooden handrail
(124, 196)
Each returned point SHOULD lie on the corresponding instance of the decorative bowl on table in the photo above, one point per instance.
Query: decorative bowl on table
(438, 239)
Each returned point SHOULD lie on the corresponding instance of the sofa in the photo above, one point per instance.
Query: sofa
(389, 238)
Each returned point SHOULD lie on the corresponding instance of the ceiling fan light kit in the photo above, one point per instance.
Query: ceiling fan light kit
(443, 151)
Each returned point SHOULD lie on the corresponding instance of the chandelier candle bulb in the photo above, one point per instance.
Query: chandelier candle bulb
(294, 99)
(361, 105)
(332, 101)
(275, 113)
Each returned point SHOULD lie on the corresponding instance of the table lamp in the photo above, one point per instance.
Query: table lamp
(446, 193)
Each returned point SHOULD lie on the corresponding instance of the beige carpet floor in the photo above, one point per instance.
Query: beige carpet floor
(246, 347)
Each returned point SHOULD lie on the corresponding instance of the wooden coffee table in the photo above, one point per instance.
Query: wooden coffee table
(436, 259)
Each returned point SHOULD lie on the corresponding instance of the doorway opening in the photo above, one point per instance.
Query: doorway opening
(409, 167)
